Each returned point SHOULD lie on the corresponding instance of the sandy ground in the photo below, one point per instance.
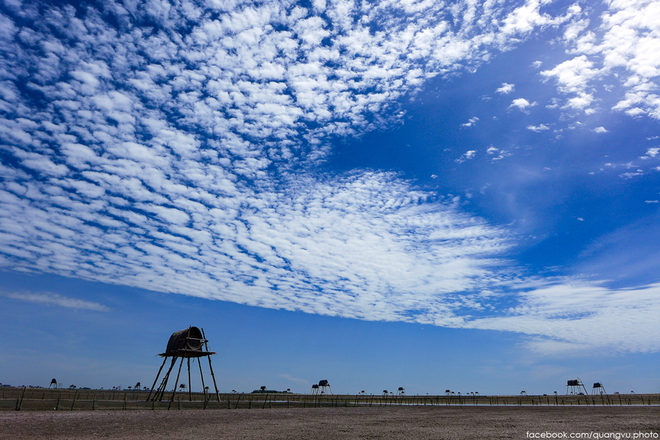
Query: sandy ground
(408, 423)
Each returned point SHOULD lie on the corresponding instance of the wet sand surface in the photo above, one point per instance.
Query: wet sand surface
(331, 423)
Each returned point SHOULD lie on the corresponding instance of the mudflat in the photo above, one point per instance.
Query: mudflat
(410, 423)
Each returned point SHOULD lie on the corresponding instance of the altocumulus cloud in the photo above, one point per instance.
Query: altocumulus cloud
(624, 47)
(172, 147)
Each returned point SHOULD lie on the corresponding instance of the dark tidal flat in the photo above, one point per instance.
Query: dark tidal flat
(415, 422)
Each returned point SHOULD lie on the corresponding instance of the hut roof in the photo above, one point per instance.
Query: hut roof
(187, 343)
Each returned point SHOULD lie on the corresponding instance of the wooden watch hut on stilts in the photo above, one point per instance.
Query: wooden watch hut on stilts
(184, 344)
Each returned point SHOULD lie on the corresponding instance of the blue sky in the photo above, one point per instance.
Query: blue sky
(455, 195)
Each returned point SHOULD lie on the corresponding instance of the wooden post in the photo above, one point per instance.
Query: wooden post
(189, 383)
(156, 380)
(175, 384)
(206, 345)
(202, 376)
(19, 401)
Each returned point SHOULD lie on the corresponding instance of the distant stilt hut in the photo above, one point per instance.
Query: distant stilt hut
(324, 386)
(575, 387)
(184, 344)
(598, 388)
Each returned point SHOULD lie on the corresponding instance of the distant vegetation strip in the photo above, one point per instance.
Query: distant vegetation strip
(40, 399)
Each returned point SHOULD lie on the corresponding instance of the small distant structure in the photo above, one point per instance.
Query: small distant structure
(401, 391)
(53, 382)
(575, 387)
(324, 386)
(184, 344)
(315, 388)
(523, 393)
(598, 388)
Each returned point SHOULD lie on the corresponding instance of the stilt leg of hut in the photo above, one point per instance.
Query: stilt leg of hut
(206, 345)
(161, 389)
(156, 379)
(189, 383)
(176, 383)
(202, 376)
(217, 393)
(203, 384)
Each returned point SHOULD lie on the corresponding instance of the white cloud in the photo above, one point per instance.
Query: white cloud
(651, 153)
(288, 377)
(525, 18)
(372, 247)
(600, 130)
(577, 315)
(506, 89)
(264, 71)
(53, 299)
(538, 128)
(497, 153)
(521, 104)
(631, 174)
(573, 75)
(470, 154)
(623, 48)
(580, 102)
(471, 122)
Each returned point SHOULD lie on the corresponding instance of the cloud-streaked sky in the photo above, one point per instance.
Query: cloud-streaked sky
(489, 168)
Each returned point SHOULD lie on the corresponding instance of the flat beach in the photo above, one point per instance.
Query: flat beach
(414, 422)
